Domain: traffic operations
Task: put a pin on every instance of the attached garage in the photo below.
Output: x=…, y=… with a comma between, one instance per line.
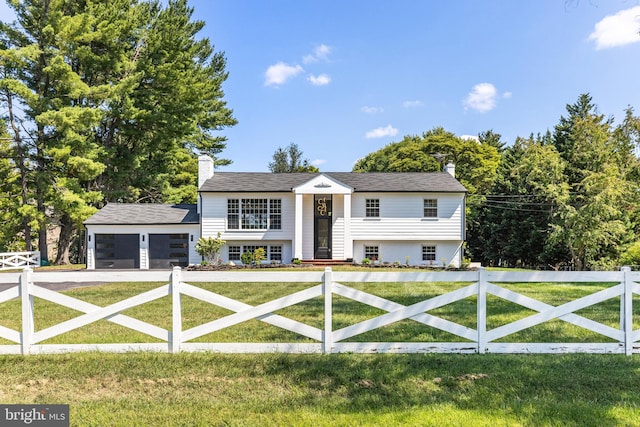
x=142, y=236
x=168, y=250
x=117, y=250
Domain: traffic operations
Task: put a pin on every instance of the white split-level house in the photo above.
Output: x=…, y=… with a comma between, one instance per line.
x=415, y=218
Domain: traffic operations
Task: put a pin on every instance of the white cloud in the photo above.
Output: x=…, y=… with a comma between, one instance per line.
x=318, y=162
x=320, y=80
x=381, y=132
x=617, y=30
x=279, y=73
x=482, y=98
x=412, y=104
x=320, y=53
x=507, y=95
x=371, y=110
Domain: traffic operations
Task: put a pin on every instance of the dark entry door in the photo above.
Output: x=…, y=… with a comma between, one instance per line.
x=322, y=227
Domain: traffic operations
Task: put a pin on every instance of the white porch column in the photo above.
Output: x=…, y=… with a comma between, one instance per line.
x=348, y=241
x=297, y=229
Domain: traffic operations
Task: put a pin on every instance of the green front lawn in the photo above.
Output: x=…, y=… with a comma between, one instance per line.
x=204, y=389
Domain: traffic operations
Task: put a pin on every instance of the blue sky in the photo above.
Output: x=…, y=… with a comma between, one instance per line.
x=344, y=78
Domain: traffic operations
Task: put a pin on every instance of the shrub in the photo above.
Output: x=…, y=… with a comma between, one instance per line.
x=247, y=258
x=632, y=255
x=259, y=254
x=209, y=248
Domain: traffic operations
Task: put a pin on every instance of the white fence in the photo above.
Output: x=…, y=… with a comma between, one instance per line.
x=13, y=260
x=481, y=283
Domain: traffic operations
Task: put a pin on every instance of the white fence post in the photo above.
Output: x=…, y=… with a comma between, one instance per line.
x=327, y=291
x=26, y=337
x=627, y=311
x=482, y=311
x=176, y=329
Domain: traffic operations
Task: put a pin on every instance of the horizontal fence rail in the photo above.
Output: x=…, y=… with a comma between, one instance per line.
x=325, y=285
x=13, y=260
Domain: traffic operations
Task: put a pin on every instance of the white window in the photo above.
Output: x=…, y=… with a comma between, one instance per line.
x=271, y=252
x=430, y=208
x=372, y=208
x=371, y=252
x=252, y=248
x=234, y=253
x=428, y=253
x=275, y=214
x=275, y=253
x=254, y=214
x=233, y=214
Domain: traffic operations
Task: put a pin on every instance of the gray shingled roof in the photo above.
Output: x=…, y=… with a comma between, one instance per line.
x=144, y=213
x=260, y=182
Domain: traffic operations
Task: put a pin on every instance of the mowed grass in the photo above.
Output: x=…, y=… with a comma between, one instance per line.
x=207, y=389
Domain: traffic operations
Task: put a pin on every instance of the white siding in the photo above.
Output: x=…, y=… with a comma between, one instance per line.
x=401, y=227
x=214, y=217
x=447, y=252
x=337, y=231
x=307, y=227
x=401, y=217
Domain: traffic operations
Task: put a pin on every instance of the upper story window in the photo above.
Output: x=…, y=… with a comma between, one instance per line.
x=275, y=214
x=254, y=214
x=233, y=214
x=430, y=208
x=372, y=208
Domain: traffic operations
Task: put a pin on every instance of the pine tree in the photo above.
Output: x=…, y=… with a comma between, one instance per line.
x=120, y=97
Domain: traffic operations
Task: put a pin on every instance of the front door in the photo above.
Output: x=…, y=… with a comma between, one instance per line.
x=322, y=227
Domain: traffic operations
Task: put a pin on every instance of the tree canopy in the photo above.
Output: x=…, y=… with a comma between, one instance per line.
x=476, y=162
x=290, y=159
x=564, y=199
x=116, y=100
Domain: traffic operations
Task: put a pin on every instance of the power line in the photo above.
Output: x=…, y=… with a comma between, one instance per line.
x=510, y=202
x=509, y=208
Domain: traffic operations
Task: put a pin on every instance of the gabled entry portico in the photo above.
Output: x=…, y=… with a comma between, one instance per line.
x=322, y=210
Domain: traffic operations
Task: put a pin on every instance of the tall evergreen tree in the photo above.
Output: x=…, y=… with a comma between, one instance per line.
x=119, y=97
x=593, y=222
x=12, y=237
x=290, y=159
x=514, y=221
